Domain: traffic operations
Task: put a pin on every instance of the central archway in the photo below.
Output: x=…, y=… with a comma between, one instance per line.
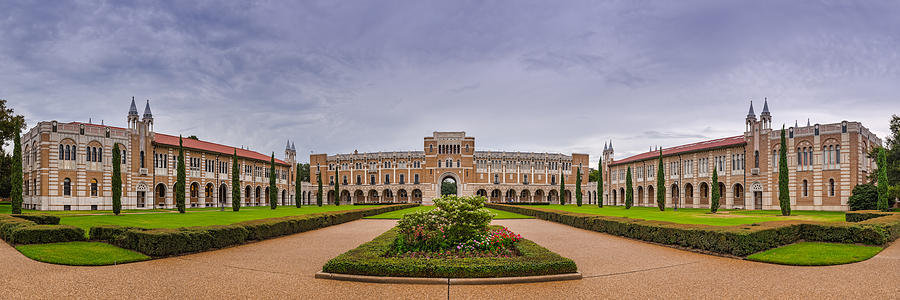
x=449, y=184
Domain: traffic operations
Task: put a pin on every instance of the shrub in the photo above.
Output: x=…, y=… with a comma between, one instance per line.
x=41, y=219
x=169, y=241
x=733, y=240
x=454, y=221
x=864, y=197
x=370, y=259
x=23, y=231
x=860, y=216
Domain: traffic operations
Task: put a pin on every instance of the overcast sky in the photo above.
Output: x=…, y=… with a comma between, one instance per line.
x=544, y=76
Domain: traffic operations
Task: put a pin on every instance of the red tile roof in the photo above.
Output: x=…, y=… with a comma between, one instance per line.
x=694, y=147
x=172, y=140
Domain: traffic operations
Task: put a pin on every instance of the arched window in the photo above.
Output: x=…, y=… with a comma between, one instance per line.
x=805, y=190
x=67, y=187
x=87, y=154
x=837, y=153
x=402, y=179
x=100, y=154
x=93, y=187
x=62, y=152
x=457, y=163
x=756, y=159
x=799, y=157
x=831, y=187
x=68, y=154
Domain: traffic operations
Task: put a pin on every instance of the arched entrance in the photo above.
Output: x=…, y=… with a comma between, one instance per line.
x=449, y=184
x=160, y=195
x=359, y=196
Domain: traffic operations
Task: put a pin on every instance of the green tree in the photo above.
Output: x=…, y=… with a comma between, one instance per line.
x=193, y=137
x=180, y=181
x=600, y=183
x=594, y=175
x=562, y=188
x=11, y=126
x=319, y=195
x=714, y=198
x=298, y=192
x=629, y=190
x=304, y=171
x=448, y=187
x=273, y=190
x=784, y=197
x=16, y=175
x=883, y=191
x=578, y=186
x=660, y=184
x=864, y=197
x=235, y=183
x=337, y=188
x=117, y=179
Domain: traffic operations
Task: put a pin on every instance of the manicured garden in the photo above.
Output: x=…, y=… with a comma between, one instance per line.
x=80, y=253
x=453, y=241
x=816, y=254
x=698, y=215
x=196, y=218
x=397, y=214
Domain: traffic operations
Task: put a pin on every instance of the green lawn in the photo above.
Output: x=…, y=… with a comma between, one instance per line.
x=399, y=213
x=816, y=254
x=700, y=216
x=197, y=217
x=80, y=254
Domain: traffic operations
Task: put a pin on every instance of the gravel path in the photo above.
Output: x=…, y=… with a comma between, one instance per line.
x=613, y=268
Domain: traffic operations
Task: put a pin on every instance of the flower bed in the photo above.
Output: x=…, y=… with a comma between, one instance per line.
x=453, y=240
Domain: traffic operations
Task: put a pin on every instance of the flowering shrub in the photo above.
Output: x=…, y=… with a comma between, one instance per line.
x=458, y=227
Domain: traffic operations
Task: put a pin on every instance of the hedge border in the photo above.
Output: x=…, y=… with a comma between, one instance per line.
x=162, y=242
x=741, y=240
x=862, y=215
x=368, y=260
x=37, y=229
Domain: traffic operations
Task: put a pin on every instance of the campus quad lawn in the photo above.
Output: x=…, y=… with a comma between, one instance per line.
x=399, y=213
x=197, y=217
x=816, y=254
x=698, y=215
x=80, y=253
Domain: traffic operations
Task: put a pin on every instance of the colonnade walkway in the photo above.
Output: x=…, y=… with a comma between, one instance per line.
x=613, y=267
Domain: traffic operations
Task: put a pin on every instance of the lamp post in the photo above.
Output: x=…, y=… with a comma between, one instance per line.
x=677, y=193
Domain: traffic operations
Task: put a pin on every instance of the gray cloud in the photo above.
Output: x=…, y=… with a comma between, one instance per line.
x=518, y=75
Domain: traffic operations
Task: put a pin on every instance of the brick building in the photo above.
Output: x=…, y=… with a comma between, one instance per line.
x=416, y=176
x=68, y=166
x=825, y=162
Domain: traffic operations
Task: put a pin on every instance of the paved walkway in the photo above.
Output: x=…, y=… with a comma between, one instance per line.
x=614, y=268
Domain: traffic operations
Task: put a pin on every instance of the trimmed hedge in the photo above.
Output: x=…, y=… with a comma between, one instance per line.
x=862, y=215
x=524, y=203
x=369, y=259
x=739, y=240
x=25, y=229
x=382, y=203
x=174, y=241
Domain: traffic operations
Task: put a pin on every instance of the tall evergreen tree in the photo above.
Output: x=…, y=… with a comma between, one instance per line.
x=784, y=197
x=298, y=192
x=235, y=183
x=562, y=188
x=319, y=195
x=116, y=179
x=273, y=190
x=337, y=188
x=714, y=197
x=578, y=186
x=16, y=175
x=629, y=190
x=660, y=184
x=180, y=181
x=600, y=183
x=883, y=191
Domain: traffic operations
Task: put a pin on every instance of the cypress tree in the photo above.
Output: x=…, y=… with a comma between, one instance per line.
x=180, y=181
x=298, y=193
x=578, y=186
x=273, y=190
x=784, y=197
x=16, y=174
x=883, y=192
x=600, y=183
x=116, y=179
x=319, y=195
x=629, y=190
x=337, y=189
x=562, y=188
x=660, y=184
x=235, y=183
x=714, y=198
